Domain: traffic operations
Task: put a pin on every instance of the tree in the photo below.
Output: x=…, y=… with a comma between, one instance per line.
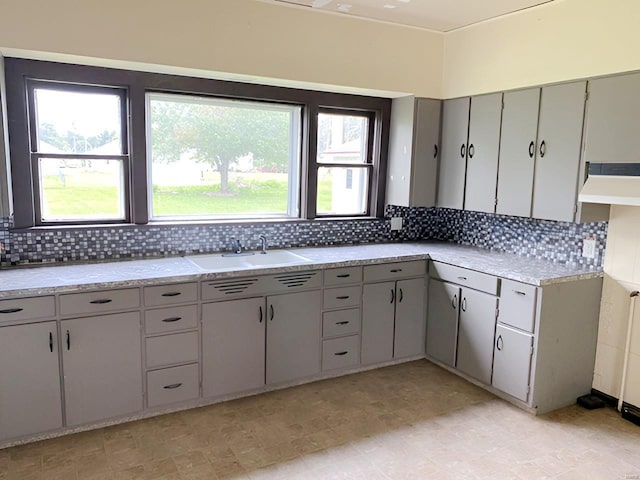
x=220, y=134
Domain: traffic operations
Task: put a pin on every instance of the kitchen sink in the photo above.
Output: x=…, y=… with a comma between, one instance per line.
x=274, y=258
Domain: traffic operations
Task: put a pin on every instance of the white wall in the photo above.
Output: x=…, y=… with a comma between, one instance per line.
x=234, y=37
x=622, y=276
x=559, y=41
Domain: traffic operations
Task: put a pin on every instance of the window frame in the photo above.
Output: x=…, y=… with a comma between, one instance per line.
x=137, y=84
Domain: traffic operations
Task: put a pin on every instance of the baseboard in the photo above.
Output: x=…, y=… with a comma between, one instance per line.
x=607, y=399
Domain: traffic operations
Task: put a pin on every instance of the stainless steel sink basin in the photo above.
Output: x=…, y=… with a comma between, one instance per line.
x=274, y=258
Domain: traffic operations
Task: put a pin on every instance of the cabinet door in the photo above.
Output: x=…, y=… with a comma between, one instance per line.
x=613, y=120
x=453, y=160
x=517, y=152
x=30, y=397
x=442, y=321
x=293, y=336
x=233, y=346
x=512, y=362
x=411, y=318
x=476, y=330
x=483, y=150
x=378, y=310
x=558, y=154
x=426, y=138
x=102, y=365
x=400, y=151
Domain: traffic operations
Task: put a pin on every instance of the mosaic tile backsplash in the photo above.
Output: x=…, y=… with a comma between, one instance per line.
x=556, y=241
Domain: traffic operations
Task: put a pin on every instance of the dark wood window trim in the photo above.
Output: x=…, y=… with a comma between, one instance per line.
x=137, y=84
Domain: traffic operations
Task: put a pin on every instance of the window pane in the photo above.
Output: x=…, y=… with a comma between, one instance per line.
x=342, y=191
x=78, y=122
x=221, y=158
x=342, y=138
x=78, y=190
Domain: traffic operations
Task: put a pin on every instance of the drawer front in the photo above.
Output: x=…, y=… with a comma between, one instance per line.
x=342, y=276
x=171, y=319
x=172, y=385
x=341, y=322
x=342, y=297
x=518, y=305
x=391, y=271
x=170, y=294
x=98, y=302
x=340, y=353
x=463, y=276
x=27, y=308
x=172, y=349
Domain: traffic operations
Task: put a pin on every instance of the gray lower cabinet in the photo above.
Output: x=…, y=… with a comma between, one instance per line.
x=476, y=329
x=233, y=346
x=410, y=324
x=30, y=397
x=453, y=158
x=294, y=332
x=442, y=321
x=102, y=365
x=512, y=362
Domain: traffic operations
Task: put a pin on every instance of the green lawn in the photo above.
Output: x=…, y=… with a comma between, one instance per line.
x=84, y=195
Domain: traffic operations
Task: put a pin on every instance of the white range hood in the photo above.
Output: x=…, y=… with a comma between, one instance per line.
x=613, y=184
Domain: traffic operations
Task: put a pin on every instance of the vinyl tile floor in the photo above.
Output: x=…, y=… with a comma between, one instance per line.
x=409, y=421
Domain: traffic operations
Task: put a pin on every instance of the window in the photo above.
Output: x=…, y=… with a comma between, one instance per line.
x=93, y=145
x=211, y=157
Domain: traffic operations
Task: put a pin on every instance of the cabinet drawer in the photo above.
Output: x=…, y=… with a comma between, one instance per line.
x=341, y=322
x=342, y=276
x=170, y=294
x=27, y=308
x=172, y=385
x=97, y=302
x=518, y=305
x=463, y=276
x=171, y=319
x=172, y=349
x=390, y=271
x=340, y=352
x=342, y=297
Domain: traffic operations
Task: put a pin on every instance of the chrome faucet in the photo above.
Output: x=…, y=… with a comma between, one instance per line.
x=263, y=244
x=238, y=247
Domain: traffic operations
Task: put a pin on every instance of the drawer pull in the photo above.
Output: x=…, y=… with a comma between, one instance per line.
x=342, y=297
x=339, y=354
x=171, y=294
x=343, y=275
x=11, y=310
x=101, y=301
x=518, y=292
x=172, y=386
x=396, y=270
x=454, y=301
x=51, y=342
x=464, y=279
x=346, y=322
x=172, y=319
x=68, y=341
x=401, y=296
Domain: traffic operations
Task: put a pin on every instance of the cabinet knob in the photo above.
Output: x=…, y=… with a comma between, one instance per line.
x=472, y=150
x=543, y=149
x=532, y=149
x=499, y=343
x=462, y=150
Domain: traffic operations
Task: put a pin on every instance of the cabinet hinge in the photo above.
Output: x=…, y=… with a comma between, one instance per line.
x=575, y=208
x=495, y=202
x=586, y=95
x=497, y=312
x=528, y=389
x=531, y=351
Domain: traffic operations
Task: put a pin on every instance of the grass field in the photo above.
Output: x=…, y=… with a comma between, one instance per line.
x=84, y=195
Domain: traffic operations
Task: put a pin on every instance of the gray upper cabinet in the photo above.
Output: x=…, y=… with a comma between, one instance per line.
x=482, y=153
x=411, y=320
x=442, y=324
x=233, y=346
x=558, y=151
x=453, y=157
x=102, y=364
x=294, y=333
x=30, y=397
x=613, y=120
x=413, y=152
x=378, y=309
x=517, y=152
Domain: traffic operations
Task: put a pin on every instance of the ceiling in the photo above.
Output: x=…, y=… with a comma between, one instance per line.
x=438, y=15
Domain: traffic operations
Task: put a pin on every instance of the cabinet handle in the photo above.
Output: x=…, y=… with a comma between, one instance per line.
x=68, y=341
x=464, y=279
x=343, y=275
x=462, y=150
x=260, y=309
x=464, y=304
x=543, y=149
x=172, y=319
x=435, y=151
x=342, y=297
x=472, y=150
x=51, y=342
x=499, y=343
x=396, y=270
x=339, y=354
x=11, y=310
x=518, y=292
x=532, y=149
x=342, y=323
x=271, y=312
x=401, y=296
x=454, y=301
x=172, y=386
x=393, y=295
x=171, y=294
x=101, y=301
